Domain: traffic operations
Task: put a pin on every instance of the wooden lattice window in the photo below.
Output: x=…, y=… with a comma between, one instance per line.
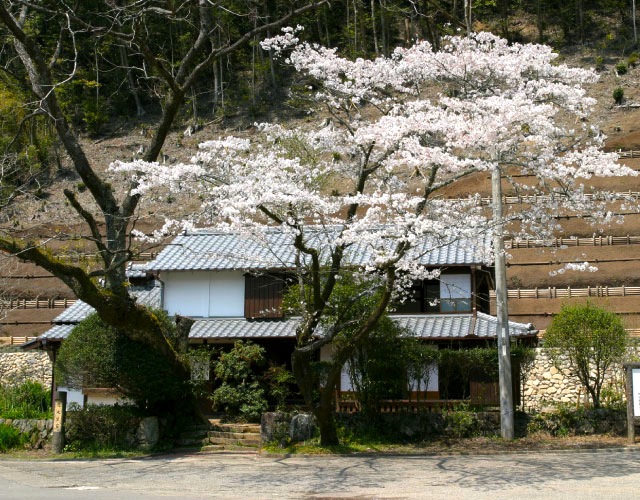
x=263, y=296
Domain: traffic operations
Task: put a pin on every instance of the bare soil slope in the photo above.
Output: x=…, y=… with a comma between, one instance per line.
x=529, y=268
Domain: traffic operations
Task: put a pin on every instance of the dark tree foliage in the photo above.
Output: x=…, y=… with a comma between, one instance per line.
x=97, y=355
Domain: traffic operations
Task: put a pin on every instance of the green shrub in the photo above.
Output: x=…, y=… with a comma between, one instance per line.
x=97, y=355
x=460, y=422
x=618, y=95
x=583, y=341
x=632, y=60
x=279, y=381
x=621, y=68
x=97, y=427
x=240, y=394
x=10, y=438
x=27, y=400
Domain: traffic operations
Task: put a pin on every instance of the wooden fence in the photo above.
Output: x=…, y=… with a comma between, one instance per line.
x=629, y=154
x=596, y=241
x=553, y=292
x=10, y=304
x=78, y=256
x=15, y=340
x=401, y=405
x=543, y=198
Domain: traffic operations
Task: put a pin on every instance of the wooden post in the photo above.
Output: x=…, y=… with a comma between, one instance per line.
x=59, y=417
x=631, y=393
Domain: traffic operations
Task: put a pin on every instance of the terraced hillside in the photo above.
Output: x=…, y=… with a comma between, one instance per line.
x=537, y=289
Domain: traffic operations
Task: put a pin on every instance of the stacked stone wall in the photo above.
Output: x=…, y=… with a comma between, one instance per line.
x=546, y=385
x=18, y=367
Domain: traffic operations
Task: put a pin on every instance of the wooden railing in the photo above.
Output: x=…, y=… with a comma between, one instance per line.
x=629, y=154
x=402, y=405
x=553, y=292
x=544, y=198
x=15, y=340
x=36, y=303
x=597, y=241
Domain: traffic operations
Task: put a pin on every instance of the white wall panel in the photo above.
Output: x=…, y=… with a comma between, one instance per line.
x=186, y=293
x=226, y=294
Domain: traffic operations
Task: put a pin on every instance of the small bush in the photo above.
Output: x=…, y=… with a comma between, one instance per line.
x=632, y=60
x=621, y=68
x=599, y=63
x=240, y=394
x=27, y=400
x=461, y=422
x=98, y=427
x=10, y=438
x=279, y=381
x=618, y=95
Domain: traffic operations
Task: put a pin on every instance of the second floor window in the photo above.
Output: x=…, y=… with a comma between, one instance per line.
x=450, y=294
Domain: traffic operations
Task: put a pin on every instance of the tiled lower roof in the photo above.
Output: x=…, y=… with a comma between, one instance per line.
x=434, y=327
x=240, y=328
x=57, y=332
x=150, y=297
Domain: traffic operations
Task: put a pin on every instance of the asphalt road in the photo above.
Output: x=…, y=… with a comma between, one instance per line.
x=608, y=474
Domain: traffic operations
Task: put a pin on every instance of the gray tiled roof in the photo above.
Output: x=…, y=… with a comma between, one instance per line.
x=235, y=328
x=57, y=332
x=204, y=250
x=80, y=310
x=137, y=270
x=435, y=327
x=486, y=327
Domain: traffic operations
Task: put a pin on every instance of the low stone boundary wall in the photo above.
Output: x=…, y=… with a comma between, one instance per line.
x=18, y=367
x=39, y=431
x=546, y=385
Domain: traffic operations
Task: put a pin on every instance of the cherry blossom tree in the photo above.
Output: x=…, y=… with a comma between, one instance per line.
x=357, y=188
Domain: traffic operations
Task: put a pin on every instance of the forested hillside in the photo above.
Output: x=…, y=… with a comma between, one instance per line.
x=85, y=84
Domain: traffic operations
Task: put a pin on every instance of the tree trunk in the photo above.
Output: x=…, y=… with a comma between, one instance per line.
x=326, y=421
x=374, y=27
x=467, y=16
x=130, y=82
x=633, y=21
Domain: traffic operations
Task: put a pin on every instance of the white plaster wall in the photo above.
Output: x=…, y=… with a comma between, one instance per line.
x=226, y=294
x=345, y=380
x=186, y=293
x=204, y=293
x=74, y=396
x=432, y=380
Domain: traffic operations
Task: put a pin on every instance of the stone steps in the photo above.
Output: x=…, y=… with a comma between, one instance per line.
x=220, y=436
x=234, y=434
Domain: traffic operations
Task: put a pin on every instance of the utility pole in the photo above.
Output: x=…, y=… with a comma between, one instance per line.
x=502, y=311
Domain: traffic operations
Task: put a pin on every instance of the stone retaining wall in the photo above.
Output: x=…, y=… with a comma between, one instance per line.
x=17, y=367
x=547, y=386
x=38, y=431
